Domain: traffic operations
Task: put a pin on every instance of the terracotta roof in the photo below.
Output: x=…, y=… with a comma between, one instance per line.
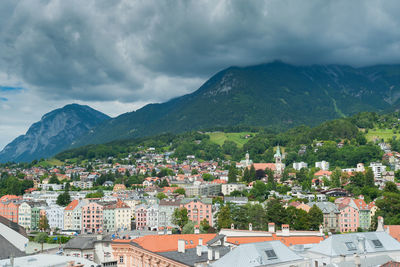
x=163, y=243
x=72, y=205
x=394, y=231
x=263, y=166
x=322, y=173
x=287, y=240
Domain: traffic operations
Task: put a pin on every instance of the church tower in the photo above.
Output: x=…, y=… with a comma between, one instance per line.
x=278, y=161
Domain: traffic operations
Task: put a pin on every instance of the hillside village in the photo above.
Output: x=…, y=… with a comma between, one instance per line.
x=150, y=196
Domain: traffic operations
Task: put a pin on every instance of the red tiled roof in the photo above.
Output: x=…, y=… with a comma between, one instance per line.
x=394, y=231
x=163, y=243
x=263, y=166
x=287, y=240
x=72, y=205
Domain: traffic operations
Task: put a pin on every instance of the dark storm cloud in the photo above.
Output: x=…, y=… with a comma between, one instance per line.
x=153, y=50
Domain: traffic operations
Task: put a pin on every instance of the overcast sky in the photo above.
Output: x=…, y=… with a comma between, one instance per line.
x=116, y=56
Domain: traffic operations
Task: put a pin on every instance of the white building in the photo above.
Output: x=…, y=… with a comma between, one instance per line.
x=24, y=215
x=323, y=165
x=55, y=216
x=377, y=169
x=227, y=189
x=299, y=165
x=152, y=217
x=166, y=209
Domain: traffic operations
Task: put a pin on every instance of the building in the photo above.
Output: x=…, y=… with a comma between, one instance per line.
x=25, y=215
x=69, y=215
x=117, y=217
x=95, y=248
x=331, y=216
x=165, y=210
x=152, y=217
x=198, y=209
x=199, y=190
x=227, y=189
x=364, y=213
x=9, y=207
x=167, y=250
x=13, y=239
x=92, y=218
x=323, y=165
x=299, y=165
x=141, y=217
x=261, y=254
x=377, y=169
x=55, y=216
x=45, y=260
x=348, y=218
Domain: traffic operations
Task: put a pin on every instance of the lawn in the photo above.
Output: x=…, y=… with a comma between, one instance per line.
x=50, y=163
x=386, y=134
x=239, y=138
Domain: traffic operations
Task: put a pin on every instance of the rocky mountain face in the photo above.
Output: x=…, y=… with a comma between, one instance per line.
x=275, y=94
x=53, y=133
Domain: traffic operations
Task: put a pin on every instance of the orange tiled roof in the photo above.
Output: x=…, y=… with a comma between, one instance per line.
x=394, y=231
x=163, y=243
x=287, y=240
x=72, y=205
x=263, y=166
x=322, y=173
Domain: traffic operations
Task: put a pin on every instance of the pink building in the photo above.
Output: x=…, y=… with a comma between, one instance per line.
x=198, y=209
x=349, y=219
x=141, y=217
x=92, y=218
x=9, y=207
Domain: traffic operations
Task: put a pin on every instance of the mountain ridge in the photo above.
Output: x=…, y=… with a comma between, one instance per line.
x=273, y=94
x=54, y=132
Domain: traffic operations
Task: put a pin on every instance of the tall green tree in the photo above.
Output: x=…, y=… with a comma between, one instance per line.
x=224, y=219
x=316, y=217
x=180, y=217
x=232, y=174
x=41, y=238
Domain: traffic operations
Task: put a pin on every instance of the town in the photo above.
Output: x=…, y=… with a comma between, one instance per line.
x=151, y=209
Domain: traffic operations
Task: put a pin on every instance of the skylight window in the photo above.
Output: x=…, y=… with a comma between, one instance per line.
x=271, y=254
x=377, y=243
x=350, y=246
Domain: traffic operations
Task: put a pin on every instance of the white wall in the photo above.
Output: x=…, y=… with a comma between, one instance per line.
x=13, y=237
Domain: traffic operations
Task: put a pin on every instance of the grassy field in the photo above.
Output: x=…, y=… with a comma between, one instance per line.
x=239, y=138
x=386, y=134
x=50, y=162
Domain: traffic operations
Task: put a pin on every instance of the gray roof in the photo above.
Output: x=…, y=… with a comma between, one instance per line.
x=370, y=261
x=14, y=226
x=255, y=254
x=8, y=249
x=325, y=207
x=348, y=244
x=215, y=239
x=230, y=199
x=84, y=242
x=203, y=200
x=190, y=256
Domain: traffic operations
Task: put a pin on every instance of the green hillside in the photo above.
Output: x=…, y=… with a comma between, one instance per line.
x=239, y=138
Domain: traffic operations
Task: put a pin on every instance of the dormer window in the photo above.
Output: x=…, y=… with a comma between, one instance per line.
x=377, y=243
x=271, y=254
x=351, y=246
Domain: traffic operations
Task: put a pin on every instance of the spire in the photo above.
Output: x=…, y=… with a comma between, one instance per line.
x=278, y=153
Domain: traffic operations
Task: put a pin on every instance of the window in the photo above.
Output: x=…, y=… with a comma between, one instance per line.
x=271, y=254
x=350, y=246
x=377, y=243
x=121, y=259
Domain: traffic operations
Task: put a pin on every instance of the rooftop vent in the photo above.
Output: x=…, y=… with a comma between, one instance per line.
x=377, y=243
x=350, y=246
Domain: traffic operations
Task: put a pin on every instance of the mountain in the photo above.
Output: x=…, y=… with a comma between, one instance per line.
x=53, y=133
x=275, y=94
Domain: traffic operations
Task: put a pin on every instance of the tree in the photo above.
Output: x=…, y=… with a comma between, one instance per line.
x=98, y=194
x=194, y=172
x=316, y=217
x=224, y=219
x=53, y=179
x=259, y=191
x=180, y=217
x=63, y=199
x=335, y=178
x=164, y=183
x=188, y=228
x=180, y=191
x=41, y=238
x=232, y=174
x=369, y=178
x=161, y=195
x=246, y=175
x=205, y=227
x=44, y=223
x=252, y=173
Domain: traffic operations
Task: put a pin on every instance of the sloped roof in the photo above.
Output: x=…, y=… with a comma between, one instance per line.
x=72, y=205
x=287, y=240
x=163, y=243
x=8, y=249
x=336, y=245
x=190, y=257
x=15, y=226
x=255, y=254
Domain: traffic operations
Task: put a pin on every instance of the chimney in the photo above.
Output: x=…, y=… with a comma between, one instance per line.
x=200, y=241
x=271, y=227
x=321, y=230
x=285, y=230
x=210, y=254
x=169, y=231
x=196, y=229
x=199, y=250
x=217, y=255
x=181, y=246
x=361, y=243
x=99, y=237
x=342, y=258
x=357, y=260
x=232, y=226
x=380, y=227
x=250, y=227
